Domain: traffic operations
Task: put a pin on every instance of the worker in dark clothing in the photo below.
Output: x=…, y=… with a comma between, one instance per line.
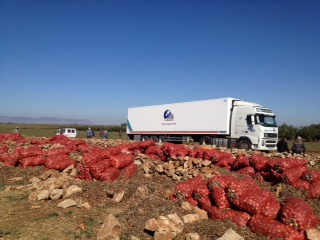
x=282, y=146
x=298, y=146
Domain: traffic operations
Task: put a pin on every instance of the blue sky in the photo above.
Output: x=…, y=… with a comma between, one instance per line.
x=95, y=59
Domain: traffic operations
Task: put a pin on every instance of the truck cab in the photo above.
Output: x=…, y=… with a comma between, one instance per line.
x=254, y=126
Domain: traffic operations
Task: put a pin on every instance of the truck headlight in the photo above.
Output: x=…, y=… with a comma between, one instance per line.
x=262, y=142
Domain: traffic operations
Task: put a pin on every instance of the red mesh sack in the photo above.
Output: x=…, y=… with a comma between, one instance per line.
x=32, y=161
x=98, y=168
x=312, y=176
x=226, y=163
x=208, y=154
x=9, y=159
x=110, y=174
x=129, y=171
x=3, y=149
x=185, y=189
x=258, y=162
x=314, y=190
x=237, y=189
x=84, y=148
x=144, y=145
x=15, y=137
x=199, y=153
x=218, y=156
x=91, y=158
x=28, y=152
x=298, y=214
x=219, y=197
x=221, y=181
x=192, y=201
x=61, y=150
x=192, y=153
x=83, y=173
x=292, y=175
x=58, y=162
x=240, y=162
x=181, y=152
x=285, y=163
x=252, y=202
x=154, y=150
x=271, y=208
x=154, y=157
x=247, y=171
x=201, y=191
x=300, y=183
x=239, y=218
x=121, y=160
x=273, y=229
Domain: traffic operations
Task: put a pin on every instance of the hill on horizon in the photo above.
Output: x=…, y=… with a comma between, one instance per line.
x=44, y=120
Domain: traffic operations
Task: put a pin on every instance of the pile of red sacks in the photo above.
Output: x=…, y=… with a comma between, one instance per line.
x=106, y=164
x=241, y=201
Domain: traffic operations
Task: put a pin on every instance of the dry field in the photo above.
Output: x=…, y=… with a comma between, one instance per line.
x=24, y=218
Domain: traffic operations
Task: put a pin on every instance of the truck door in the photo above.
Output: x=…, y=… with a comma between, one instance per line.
x=243, y=124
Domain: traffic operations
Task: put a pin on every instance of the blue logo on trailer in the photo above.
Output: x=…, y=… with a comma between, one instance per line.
x=168, y=116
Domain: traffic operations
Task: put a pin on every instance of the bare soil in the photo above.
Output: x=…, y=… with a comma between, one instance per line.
x=23, y=219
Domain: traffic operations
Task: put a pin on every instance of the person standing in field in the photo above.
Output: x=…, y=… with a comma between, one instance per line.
x=104, y=134
x=282, y=146
x=298, y=146
x=89, y=133
x=16, y=130
x=120, y=133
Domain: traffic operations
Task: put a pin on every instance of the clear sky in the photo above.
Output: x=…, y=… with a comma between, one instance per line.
x=94, y=59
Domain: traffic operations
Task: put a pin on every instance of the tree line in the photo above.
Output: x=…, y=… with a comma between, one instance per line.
x=309, y=133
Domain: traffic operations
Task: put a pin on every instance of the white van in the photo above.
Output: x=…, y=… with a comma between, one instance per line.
x=68, y=132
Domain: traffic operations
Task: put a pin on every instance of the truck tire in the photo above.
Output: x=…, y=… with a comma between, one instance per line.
x=162, y=139
x=244, y=144
x=205, y=141
x=154, y=138
x=144, y=138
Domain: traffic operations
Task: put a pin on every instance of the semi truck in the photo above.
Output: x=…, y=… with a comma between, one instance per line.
x=227, y=122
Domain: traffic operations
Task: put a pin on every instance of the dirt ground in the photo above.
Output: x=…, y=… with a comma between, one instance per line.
x=23, y=219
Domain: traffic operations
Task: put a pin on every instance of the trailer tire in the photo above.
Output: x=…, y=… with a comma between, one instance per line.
x=154, y=138
x=205, y=141
x=162, y=139
x=144, y=138
x=244, y=144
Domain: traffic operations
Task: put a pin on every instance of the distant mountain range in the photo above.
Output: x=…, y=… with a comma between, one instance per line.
x=44, y=120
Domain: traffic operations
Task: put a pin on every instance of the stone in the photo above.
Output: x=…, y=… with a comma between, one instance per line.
x=67, y=203
x=72, y=190
x=15, y=179
x=43, y=195
x=85, y=206
x=190, y=218
x=164, y=235
x=56, y=194
x=118, y=196
x=230, y=234
x=143, y=191
x=313, y=234
x=68, y=169
x=110, y=229
x=192, y=236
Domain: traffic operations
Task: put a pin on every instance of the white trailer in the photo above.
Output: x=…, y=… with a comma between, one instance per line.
x=225, y=122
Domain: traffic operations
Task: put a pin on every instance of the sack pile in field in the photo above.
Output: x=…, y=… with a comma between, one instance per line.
x=241, y=201
x=107, y=164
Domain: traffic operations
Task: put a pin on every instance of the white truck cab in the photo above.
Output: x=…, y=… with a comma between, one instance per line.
x=68, y=132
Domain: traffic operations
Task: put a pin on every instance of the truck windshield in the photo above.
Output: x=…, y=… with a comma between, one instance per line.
x=267, y=121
